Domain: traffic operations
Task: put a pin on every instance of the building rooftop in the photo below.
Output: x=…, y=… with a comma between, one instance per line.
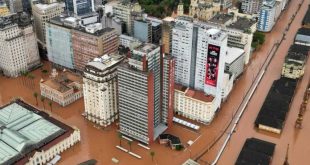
x=256, y=151
x=73, y=23
x=221, y=18
x=42, y=6
x=233, y=54
x=20, y=19
x=146, y=47
x=26, y=130
x=299, y=49
x=304, y=31
x=63, y=82
x=242, y=24
x=104, y=62
x=276, y=104
x=194, y=94
x=168, y=19
x=306, y=19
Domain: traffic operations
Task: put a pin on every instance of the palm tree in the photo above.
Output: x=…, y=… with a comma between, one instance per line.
x=42, y=100
x=119, y=135
x=31, y=77
x=35, y=94
x=129, y=143
x=51, y=105
x=152, y=153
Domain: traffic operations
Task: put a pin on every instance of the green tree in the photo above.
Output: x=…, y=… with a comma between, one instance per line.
x=35, y=95
x=129, y=143
x=152, y=153
x=51, y=105
x=119, y=135
x=42, y=100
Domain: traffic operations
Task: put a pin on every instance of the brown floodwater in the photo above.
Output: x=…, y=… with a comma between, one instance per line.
x=100, y=144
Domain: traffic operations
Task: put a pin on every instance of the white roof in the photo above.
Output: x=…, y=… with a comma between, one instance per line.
x=233, y=54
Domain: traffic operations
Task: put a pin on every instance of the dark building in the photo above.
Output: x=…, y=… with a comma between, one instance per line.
x=256, y=152
x=272, y=114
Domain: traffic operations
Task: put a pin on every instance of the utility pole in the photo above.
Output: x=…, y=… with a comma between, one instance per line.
x=286, y=156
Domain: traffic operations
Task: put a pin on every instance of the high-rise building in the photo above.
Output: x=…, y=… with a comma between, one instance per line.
x=251, y=6
x=100, y=89
x=143, y=30
x=127, y=11
x=79, y=7
x=156, y=29
x=59, y=42
x=168, y=89
x=166, y=37
x=92, y=42
x=184, y=38
x=42, y=13
x=267, y=14
x=18, y=46
x=140, y=94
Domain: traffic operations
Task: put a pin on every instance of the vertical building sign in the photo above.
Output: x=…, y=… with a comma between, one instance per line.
x=212, y=65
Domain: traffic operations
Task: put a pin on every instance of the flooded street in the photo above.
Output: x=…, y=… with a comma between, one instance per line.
x=100, y=144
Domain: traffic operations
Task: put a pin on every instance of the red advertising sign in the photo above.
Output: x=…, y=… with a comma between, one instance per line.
x=212, y=65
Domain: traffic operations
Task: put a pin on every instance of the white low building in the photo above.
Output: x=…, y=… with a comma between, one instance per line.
x=193, y=104
x=23, y=140
x=64, y=88
x=100, y=89
x=234, y=61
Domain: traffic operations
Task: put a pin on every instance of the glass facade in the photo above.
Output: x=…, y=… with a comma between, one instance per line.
x=83, y=7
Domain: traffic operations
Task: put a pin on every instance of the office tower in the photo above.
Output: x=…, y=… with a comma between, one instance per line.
x=267, y=14
x=184, y=38
x=166, y=37
x=100, y=89
x=19, y=50
x=92, y=42
x=143, y=30
x=42, y=13
x=127, y=11
x=140, y=95
x=251, y=6
x=59, y=42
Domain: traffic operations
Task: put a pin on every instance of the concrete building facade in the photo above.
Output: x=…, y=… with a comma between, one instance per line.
x=251, y=6
x=92, y=43
x=59, y=44
x=42, y=13
x=140, y=95
x=63, y=88
x=100, y=89
x=166, y=38
x=18, y=46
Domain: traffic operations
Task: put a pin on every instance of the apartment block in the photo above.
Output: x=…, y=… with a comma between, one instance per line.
x=42, y=13
x=18, y=46
x=166, y=33
x=91, y=42
x=140, y=94
x=100, y=89
x=251, y=6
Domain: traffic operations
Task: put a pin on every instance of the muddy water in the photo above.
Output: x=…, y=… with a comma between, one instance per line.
x=100, y=144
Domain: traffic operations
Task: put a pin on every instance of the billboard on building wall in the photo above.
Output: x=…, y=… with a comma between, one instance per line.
x=212, y=65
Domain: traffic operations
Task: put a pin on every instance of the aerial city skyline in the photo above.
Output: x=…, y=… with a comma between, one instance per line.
x=154, y=82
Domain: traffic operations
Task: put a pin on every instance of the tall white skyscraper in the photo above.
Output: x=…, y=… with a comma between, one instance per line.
x=184, y=51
